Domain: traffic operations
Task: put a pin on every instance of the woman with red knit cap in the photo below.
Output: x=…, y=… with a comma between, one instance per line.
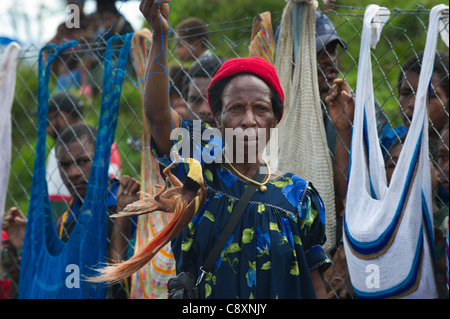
x=275, y=249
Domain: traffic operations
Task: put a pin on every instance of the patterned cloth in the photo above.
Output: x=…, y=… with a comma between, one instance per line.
x=263, y=41
x=150, y=282
x=273, y=248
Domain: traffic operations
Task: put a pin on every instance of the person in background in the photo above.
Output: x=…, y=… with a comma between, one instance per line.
x=443, y=166
x=74, y=152
x=338, y=108
x=9, y=268
x=336, y=99
x=113, y=22
x=438, y=104
x=64, y=110
x=73, y=64
x=441, y=215
x=177, y=81
x=408, y=80
x=196, y=88
x=192, y=37
x=439, y=150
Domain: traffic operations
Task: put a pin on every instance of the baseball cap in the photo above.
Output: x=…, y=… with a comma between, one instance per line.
x=325, y=32
x=66, y=102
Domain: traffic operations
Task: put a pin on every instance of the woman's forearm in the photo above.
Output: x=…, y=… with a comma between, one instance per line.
x=156, y=89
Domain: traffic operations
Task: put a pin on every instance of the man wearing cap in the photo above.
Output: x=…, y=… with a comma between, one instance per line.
x=327, y=54
x=338, y=107
x=336, y=99
x=337, y=117
x=196, y=86
x=65, y=110
x=337, y=102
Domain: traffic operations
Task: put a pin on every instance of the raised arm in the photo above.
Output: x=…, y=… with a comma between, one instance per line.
x=161, y=117
x=341, y=106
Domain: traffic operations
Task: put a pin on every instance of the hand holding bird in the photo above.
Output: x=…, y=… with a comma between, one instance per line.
x=182, y=199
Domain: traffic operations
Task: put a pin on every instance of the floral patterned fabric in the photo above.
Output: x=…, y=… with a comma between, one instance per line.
x=273, y=248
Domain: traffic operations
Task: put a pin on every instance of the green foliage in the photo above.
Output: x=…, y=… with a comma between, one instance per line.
x=24, y=132
x=23, y=138
x=403, y=35
x=230, y=19
x=217, y=11
x=230, y=24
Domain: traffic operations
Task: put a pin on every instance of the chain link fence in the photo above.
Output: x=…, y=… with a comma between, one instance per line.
x=403, y=36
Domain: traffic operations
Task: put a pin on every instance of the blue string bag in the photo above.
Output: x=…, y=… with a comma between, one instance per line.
x=51, y=268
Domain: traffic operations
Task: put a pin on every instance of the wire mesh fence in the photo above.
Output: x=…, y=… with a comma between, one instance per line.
x=80, y=72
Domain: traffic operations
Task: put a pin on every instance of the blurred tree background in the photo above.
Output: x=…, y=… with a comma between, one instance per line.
x=230, y=25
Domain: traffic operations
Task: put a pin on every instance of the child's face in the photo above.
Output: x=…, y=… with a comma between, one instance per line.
x=392, y=162
x=437, y=102
x=75, y=165
x=184, y=50
x=178, y=104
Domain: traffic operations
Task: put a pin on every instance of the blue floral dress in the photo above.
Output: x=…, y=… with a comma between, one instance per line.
x=275, y=245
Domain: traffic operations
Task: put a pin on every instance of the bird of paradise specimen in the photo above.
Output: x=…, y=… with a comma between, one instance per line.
x=183, y=199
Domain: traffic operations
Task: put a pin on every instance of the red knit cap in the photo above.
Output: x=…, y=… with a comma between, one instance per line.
x=253, y=65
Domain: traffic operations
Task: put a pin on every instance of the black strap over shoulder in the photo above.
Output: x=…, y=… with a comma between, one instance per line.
x=236, y=214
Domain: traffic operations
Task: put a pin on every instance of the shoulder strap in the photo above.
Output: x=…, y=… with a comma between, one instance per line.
x=229, y=227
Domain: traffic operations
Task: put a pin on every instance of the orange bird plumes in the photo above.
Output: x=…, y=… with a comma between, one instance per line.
x=184, y=200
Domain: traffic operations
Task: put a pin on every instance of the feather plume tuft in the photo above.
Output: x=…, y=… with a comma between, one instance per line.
x=184, y=200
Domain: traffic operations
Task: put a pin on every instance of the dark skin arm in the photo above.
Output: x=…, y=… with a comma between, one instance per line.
x=14, y=225
x=341, y=107
x=319, y=287
x=161, y=117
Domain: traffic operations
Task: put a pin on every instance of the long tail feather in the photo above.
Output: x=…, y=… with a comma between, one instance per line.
x=185, y=208
x=116, y=272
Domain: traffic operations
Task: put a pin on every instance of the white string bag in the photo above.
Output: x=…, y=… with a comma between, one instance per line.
x=303, y=144
x=7, y=87
x=388, y=231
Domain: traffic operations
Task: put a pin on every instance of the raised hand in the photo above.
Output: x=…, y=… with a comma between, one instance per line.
x=341, y=105
x=14, y=226
x=128, y=191
x=156, y=12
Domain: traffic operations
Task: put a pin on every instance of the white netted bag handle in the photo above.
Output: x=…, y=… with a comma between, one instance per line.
x=374, y=20
x=303, y=146
x=443, y=26
x=388, y=230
